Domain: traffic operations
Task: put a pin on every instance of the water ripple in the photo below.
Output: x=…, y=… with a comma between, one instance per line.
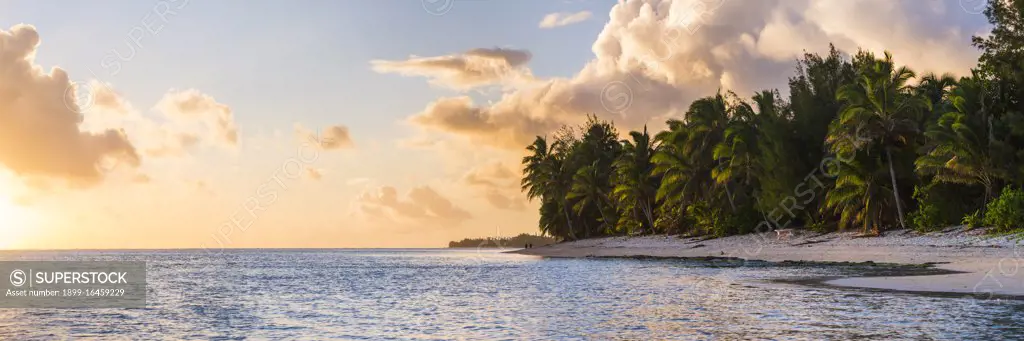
x=471, y=295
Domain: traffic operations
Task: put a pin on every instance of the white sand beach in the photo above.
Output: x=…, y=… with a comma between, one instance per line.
x=988, y=265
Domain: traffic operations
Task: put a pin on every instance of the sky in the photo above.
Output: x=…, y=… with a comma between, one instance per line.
x=242, y=124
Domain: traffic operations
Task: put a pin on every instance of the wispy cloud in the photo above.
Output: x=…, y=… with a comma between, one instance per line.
x=564, y=19
x=465, y=71
x=191, y=104
x=332, y=138
x=421, y=205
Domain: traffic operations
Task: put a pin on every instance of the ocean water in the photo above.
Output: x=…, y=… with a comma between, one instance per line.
x=488, y=295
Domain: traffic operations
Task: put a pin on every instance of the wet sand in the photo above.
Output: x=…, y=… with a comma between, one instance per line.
x=984, y=265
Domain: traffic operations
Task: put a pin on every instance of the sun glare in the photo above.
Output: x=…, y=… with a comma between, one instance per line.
x=14, y=220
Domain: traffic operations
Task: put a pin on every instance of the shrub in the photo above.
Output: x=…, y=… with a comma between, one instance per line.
x=703, y=217
x=628, y=226
x=672, y=219
x=973, y=220
x=720, y=222
x=928, y=216
x=820, y=226
x=1006, y=213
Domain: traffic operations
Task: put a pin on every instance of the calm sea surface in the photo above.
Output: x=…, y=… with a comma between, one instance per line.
x=487, y=295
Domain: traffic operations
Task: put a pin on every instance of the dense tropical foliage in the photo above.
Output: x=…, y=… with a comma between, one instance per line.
x=859, y=143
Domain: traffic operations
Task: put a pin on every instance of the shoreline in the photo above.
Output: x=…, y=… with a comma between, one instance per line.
x=974, y=263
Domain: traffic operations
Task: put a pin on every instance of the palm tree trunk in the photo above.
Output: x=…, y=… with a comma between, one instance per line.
x=682, y=210
x=649, y=213
x=728, y=193
x=988, y=193
x=568, y=220
x=609, y=229
x=895, y=187
x=604, y=216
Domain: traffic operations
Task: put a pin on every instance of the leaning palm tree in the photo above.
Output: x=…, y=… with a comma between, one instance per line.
x=537, y=170
x=635, y=183
x=881, y=110
x=964, y=147
x=541, y=170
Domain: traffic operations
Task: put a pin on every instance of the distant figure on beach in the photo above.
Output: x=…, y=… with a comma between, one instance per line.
x=784, y=233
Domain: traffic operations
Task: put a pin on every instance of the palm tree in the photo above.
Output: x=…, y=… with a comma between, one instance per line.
x=635, y=184
x=674, y=164
x=537, y=170
x=881, y=109
x=747, y=143
x=706, y=122
x=588, y=190
x=541, y=170
x=965, y=149
x=859, y=194
x=937, y=88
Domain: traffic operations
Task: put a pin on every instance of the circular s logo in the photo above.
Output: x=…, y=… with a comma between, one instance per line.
x=18, y=277
x=973, y=6
x=78, y=97
x=616, y=97
x=438, y=7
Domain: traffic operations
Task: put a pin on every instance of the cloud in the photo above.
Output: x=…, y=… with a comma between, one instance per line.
x=926, y=36
x=104, y=98
x=498, y=184
x=194, y=105
x=471, y=69
x=495, y=174
x=502, y=201
x=332, y=138
x=497, y=125
x=188, y=119
x=172, y=144
x=564, y=19
x=654, y=57
x=314, y=173
x=422, y=205
x=172, y=135
x=40, y=117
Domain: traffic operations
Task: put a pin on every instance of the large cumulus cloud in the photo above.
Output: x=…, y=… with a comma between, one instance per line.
x=654, y=57
x=40, y=119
